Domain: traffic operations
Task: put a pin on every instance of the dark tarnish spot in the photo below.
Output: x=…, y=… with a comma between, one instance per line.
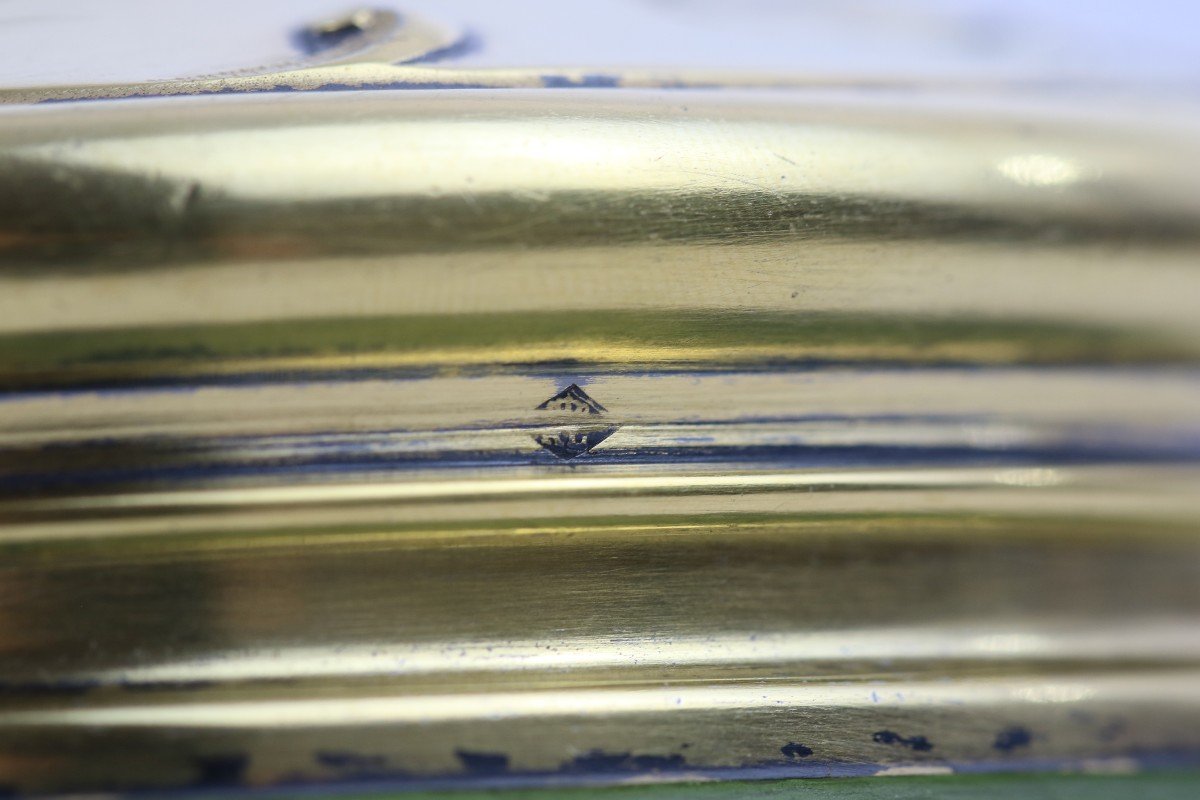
x=1081, y=717
x=221, y=770
x=66, y=687
x=1010, y=738
x=1112, y=730
x=918, y=743
x=597, y=761
x=794, y=750
x=585, y=82
x=600, y=761
x=352, y=762
x=653, y=762
x=483, y=763
x=165, y=686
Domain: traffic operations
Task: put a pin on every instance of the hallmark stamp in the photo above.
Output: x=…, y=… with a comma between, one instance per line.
x=579, y=424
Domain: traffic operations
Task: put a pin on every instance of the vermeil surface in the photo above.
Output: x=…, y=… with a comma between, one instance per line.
x=569, y=435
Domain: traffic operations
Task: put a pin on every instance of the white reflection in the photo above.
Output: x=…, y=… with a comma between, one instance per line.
x=1038, y=476
x=1177, y=640
x=1178, y=689
x=890, y=480
x=914, y=769
x=1011, y=644
x=1056, y=693
x=1039, y=169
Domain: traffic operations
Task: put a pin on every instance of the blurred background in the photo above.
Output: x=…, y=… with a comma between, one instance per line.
x=1151, y=44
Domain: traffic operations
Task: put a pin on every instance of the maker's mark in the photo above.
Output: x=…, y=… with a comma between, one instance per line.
x=576, y=429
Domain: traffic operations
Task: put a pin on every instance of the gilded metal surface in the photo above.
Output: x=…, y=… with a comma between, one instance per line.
x=898, y=470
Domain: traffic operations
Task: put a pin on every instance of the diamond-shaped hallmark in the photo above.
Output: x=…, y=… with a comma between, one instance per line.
x=569, y=439
x=573, y=400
